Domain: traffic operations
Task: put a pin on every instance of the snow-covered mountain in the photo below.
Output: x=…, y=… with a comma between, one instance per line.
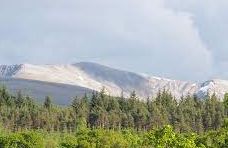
x=90, y=76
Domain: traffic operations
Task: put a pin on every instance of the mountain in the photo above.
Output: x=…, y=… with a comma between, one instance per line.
x=63, y=82
x=61, y=93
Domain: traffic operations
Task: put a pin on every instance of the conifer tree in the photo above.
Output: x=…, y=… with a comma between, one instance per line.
x=225, y=102
x=47, y=102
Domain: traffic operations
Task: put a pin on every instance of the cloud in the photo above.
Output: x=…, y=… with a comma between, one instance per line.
x=210, y=19
x=142, y=36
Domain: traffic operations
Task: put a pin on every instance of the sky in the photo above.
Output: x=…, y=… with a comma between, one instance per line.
x=178, y=39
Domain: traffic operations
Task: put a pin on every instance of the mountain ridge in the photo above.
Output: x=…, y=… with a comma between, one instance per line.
x=93, y=76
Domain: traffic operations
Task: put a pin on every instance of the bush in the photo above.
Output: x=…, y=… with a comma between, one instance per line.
x=22, y=140
x=69, y=141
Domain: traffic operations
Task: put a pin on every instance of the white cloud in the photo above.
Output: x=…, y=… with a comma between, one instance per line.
x=143, y=36
x=210, y=19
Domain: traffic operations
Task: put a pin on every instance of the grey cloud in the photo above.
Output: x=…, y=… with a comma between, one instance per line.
x=210, y=19
x=141, y=36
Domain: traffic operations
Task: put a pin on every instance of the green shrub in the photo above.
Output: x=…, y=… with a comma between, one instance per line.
x=69, y=141
x=22, y=140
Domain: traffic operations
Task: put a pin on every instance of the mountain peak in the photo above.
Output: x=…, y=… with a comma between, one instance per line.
x=93, y=65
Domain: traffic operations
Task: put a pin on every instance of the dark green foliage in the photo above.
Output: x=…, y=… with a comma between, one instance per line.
x=102, y=111
x=225, y=102
x=47, y=102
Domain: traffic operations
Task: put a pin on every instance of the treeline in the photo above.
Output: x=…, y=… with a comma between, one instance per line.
x=189, y=114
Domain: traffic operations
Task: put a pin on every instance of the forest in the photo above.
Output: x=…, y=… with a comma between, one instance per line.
x=100, y=120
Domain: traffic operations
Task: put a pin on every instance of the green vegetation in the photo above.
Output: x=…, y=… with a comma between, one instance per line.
x=113, y=122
